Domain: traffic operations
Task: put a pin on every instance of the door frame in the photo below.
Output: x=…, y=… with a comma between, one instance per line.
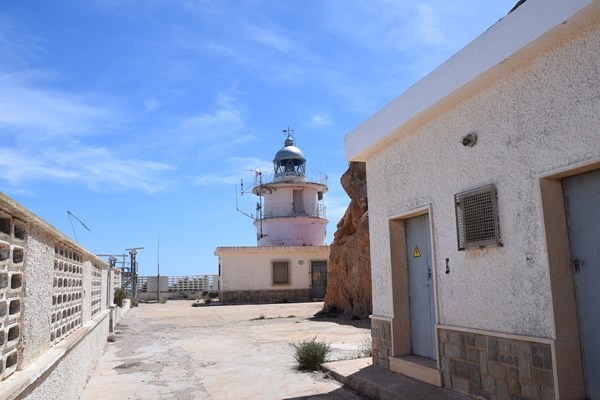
x=312, y=289
x=401, y=333
x=566, y=354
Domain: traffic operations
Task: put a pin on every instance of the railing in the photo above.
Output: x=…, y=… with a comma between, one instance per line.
x=313, y=176
x=286, y=209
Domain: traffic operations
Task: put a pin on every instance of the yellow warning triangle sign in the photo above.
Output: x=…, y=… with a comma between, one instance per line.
x=416, y=253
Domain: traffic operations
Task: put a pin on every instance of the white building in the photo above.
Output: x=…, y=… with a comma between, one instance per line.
x=290, y=260
x=484, y=202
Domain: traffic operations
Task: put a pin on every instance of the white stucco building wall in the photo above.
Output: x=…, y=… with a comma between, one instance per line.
x=536, y=118
x=528, y=88
x=248, y=270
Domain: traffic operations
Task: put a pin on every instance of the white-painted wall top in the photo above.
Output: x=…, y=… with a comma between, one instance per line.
x=533, y=27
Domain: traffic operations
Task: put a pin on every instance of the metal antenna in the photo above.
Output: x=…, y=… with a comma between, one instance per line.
x=289, y=132
x=158, y=269
x=70, y=214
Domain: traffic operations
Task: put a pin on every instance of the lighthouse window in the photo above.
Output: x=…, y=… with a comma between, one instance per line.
x=281, y=273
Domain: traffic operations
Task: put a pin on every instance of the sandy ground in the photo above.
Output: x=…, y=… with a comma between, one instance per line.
x=176, y=351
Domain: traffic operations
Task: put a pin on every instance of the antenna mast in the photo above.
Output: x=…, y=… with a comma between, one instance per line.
x=158, y=269
x=70, y=214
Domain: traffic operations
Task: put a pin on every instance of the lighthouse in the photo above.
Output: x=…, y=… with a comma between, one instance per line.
x=291, y=207
x=289, y=261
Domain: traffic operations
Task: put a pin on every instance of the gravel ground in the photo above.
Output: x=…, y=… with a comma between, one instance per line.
x=176, y=351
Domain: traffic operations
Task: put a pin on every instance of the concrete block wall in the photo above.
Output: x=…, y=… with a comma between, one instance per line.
x=381, y=336
x=491, y=367
x=55, y=297
x=12, y=255
x=265, y=296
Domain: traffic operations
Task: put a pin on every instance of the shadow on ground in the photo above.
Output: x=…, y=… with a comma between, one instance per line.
x=343, y=393
x=341, y=319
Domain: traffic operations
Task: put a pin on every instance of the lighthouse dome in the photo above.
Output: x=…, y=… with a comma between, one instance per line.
x=289, y=152
x=289, y=162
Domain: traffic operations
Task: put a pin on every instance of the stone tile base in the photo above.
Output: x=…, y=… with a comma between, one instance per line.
x=265, y=296
x=381, y=334
x=490, y=367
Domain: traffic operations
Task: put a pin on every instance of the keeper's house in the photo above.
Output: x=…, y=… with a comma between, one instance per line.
x=484, y=202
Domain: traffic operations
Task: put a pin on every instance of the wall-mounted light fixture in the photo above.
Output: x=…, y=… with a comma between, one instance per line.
x=469, y=140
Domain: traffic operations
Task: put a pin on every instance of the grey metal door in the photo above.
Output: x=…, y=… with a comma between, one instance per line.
x=420, y=280
x=319, y=278
x=582, y=201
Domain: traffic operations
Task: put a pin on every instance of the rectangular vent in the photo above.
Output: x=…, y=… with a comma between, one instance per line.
x=477, y=221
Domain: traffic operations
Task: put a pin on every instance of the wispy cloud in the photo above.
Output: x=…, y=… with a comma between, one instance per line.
x=227, y=118
x=429, y=25
x=94, y=167
x=26, y=107
x=320, y=120
x=238, y=168
x=272, y=39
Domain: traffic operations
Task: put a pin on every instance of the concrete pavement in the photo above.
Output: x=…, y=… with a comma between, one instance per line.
x=176, y=351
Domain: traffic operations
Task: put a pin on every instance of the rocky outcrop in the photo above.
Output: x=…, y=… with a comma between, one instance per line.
x=349, y=275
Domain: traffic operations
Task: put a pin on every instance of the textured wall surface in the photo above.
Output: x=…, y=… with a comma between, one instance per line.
x=38, y=275
x=13, y=251
x=540, y=117
x=489, y=366
x=71, y=374
x=381, y=334
x=265, y=296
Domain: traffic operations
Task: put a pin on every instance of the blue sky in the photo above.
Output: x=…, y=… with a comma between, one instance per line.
x=140, y=117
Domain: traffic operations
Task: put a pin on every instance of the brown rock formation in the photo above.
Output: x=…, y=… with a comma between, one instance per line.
x=349, y=275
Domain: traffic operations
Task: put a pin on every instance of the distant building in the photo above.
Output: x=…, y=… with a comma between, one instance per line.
x=484, y=205
x=290, y=260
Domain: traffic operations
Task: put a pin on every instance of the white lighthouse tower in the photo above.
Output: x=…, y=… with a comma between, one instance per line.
x=291, y=210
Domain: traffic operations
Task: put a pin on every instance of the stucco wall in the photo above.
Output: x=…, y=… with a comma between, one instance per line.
x=542, y=116
x=250, y=268
x=38, y=274
x=293, y=231
x=280, y=201
x=71, y=374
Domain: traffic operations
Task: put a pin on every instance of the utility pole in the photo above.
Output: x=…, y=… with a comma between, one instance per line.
x=134, y=276
x=158, y=270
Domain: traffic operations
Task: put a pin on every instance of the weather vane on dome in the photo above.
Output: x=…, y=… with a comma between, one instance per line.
x=290, y=136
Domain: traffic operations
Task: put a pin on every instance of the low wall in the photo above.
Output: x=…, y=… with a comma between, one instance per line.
x=56, y=308
x=265, y=296
x=381, y=337
x=489, y=366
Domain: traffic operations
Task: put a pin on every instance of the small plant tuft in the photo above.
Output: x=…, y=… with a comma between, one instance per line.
x=120, y=295
x=207, y=299
x=310, y=354
x=162, y=300
x=365, y=348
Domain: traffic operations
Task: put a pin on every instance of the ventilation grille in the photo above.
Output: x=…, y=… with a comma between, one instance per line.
x=477, y=218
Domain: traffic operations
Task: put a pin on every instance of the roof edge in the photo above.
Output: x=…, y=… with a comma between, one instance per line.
x=268, y=249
